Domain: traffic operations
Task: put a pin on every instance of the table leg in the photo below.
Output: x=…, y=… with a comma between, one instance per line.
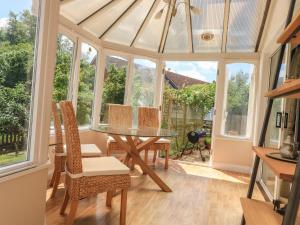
x=138, y=160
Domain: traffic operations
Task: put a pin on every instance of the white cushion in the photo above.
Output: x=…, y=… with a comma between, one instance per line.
x=111, y=139
x=103, y=166
x=160, y=141
x=87, y=150
x=90, y=150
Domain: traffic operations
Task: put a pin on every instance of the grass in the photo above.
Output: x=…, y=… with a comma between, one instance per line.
x=12, y=158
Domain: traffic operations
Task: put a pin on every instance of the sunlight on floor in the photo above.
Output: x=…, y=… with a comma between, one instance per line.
x=208, y=172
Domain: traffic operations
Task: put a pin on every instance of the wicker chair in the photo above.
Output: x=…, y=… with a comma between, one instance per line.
x=89, y=176
x=149, y=117
x=60, y=153
x=118, y=116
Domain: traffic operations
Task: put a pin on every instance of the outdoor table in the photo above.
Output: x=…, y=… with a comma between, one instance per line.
x=134, y=148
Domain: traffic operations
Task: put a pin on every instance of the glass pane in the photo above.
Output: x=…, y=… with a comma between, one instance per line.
x=105, y=18
x=144, y=83
x=114, y=84
x=88, y=63
x=177, y=40
x=210, y=21
x=268, y=178
x=238, y=84
x=244, y=23
x=69, y=9
x=18, y=37
x=151, y=36
x=130, y=24
x=63, y=70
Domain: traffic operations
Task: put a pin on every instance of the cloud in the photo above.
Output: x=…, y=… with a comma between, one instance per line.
x=203, y=70
x=3, y=22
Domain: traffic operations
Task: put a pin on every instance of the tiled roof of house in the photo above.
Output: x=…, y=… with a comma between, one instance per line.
x=179, y=81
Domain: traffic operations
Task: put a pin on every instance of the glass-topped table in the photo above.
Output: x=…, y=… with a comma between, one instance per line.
x=134, y=148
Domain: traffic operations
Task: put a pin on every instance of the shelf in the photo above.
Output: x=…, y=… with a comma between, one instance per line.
x=291, y=32
x=289, y=89
x=259, y=213
x=284, y=170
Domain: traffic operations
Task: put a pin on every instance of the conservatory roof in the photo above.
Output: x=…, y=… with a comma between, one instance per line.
x=172, y=26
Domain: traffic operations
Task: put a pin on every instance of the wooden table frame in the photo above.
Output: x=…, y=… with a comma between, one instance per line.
x=133, y=150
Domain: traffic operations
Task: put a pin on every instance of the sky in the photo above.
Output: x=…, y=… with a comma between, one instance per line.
x=200, y=70
x=12, y=5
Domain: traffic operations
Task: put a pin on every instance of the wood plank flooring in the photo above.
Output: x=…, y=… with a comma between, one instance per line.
x=201, y=196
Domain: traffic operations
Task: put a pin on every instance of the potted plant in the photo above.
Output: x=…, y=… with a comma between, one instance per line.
x=208, y=142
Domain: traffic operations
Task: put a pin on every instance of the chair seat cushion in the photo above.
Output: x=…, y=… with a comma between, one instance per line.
x=160, y=141
x=103, y=166
x=111, y=139
x=88, y=150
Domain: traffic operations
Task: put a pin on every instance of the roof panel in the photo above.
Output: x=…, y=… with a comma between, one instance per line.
x=245, y=19
x=130, y=24
x=177, y=39
x=210, y=21
x=71, y=11
x=106, y=17
x=151, y=35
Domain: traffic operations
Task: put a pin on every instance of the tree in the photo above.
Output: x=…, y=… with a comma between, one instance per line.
x=15, y=64
x=238, y=103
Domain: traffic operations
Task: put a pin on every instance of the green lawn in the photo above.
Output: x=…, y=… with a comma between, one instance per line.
x=11, y=158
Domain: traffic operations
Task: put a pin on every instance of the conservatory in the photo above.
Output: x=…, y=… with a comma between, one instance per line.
x=149, y=112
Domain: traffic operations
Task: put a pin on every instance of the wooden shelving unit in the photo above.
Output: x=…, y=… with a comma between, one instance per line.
x=284, y=170
x=259, y=212
x=291, y=32
x=289, y=89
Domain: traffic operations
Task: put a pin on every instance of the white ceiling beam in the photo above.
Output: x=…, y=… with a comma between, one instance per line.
x=166, y=26
x=225, y=25
x=146, y=22
x=189, y=25
x=62, y=2
x=132, y=6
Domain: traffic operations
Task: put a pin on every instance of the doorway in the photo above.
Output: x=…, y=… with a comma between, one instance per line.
x=188, y=106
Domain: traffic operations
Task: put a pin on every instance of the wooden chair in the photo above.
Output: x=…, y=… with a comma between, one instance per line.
x=60, y=153
x=118, y=116
x=149, y=117
x=89, y=176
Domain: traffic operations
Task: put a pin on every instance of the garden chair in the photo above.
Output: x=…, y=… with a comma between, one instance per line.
x=89, y=176
x=149, y=117
x=60, y=153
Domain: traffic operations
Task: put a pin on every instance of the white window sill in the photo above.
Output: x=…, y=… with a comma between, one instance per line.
x=27, y=168
x=234, y=138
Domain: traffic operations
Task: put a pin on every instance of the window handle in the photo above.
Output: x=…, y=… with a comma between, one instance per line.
x=278, y=119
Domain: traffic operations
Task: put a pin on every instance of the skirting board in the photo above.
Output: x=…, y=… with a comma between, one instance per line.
x=231, y=167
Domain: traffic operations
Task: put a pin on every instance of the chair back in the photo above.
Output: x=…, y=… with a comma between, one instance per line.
x=74, y=164
x=148, y=117
x=120, y=115
x=57, y=129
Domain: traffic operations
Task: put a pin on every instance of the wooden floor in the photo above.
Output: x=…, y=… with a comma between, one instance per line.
x=201, y=196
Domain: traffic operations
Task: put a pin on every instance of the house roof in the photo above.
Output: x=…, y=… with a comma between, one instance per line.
x=178, y=81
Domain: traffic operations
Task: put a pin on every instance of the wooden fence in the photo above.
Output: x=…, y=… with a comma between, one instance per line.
x=10, y=141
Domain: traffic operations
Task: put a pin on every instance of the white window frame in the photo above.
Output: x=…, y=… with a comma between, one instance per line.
x=157, y=77
x=100, y=81
x=45, y=53
x=251, y=105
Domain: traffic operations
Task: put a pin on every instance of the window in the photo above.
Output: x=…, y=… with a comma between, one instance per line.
x=18, y=37
x=114, y=83
x=63, y=71
x=88, y=63
x=238, y=99
x=143, y=83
